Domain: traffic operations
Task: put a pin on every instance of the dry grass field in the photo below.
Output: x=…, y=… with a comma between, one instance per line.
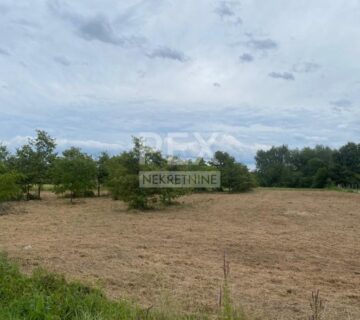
x=281, y=244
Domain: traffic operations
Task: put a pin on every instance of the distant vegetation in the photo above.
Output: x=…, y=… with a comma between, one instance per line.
x=78, y=174
x=317, y=167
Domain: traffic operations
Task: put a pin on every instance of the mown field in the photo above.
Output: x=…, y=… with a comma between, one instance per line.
x=281, y=245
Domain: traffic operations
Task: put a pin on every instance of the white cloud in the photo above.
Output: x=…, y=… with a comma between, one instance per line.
x=94, y=72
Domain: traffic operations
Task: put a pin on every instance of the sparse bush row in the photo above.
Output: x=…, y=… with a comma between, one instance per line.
x=79, y=174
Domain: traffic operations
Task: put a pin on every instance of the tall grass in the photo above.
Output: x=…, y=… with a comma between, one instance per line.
x=47, y=296
x=227, y=309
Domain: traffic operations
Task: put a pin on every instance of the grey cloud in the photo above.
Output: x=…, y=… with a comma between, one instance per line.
x=97, y=27
x=282, y=75
x=62, y=60
x=228, y=10
x=4, y=52
x=26, y=23
x=224, y=9
x=262, y=44
x=100, y=29
x=238, y=20
x=305, y=67
x=341, y=104
x=217, y=84
x=246, y=57
x=167, y=53
x=141, y=74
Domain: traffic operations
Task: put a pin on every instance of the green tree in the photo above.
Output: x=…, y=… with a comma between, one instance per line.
x=102, y=170
x=24, y=162
x=44, y=151
x=75, y=172
x=123, y=181
x=308, y=161
x=240, y=179
x=275, y=168
x=124, y=172
x=4, y=157
x=235, y=177
x=34, y=161
x=308, y=167
x=346, y=169
x=223, y=162
x=321, y=178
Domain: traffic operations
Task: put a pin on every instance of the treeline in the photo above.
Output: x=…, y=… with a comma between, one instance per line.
x=78, y=174
x=317, y=167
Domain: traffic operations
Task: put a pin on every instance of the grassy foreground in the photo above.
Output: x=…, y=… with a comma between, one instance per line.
x=46, y=296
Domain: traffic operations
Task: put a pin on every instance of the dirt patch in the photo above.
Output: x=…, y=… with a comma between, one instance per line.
x=281, y=245
x=7, y=208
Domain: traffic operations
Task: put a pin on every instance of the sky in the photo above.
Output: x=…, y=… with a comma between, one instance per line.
x=190, y=76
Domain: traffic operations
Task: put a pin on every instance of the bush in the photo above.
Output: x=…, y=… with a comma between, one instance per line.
x=123, y=180
x=235, y=177
x=125, y=186
x=75, y=172
x=9, y=187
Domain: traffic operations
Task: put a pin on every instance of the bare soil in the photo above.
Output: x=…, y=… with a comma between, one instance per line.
x=281, y=245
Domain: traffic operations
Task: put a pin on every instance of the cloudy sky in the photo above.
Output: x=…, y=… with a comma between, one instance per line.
x=245, y=74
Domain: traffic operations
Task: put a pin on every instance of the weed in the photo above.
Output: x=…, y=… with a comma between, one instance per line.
x=317, y=306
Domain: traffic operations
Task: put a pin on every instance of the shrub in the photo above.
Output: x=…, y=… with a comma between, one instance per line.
x=75, y=172
x=123, y=180
x=9, y=187
x=125, y=186
x=235, y=177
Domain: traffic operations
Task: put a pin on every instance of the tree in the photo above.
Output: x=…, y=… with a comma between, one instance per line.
x=240, y=179
x=124, y=176
x=75, y=172
x=24, y=162
x=34, y=161
x=102, y=170
x=123, y=181
x=321, y=178
x=4, y=153
x=44, y=147
x=4, y=157
x=234, y=176
x=223, y=162
x=346, y=170
x=275, y=168
x=305, y=168
x=308, y=161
